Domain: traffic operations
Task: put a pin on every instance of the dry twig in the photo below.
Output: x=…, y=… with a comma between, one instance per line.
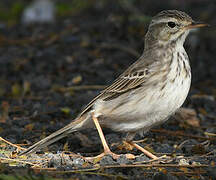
x=14, y=145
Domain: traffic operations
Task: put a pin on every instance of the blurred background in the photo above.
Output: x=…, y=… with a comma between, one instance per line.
x=48, y=49
x=56, y=55
x=40, y=36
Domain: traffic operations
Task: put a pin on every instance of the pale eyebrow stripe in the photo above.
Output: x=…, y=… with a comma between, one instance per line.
x=162, y=21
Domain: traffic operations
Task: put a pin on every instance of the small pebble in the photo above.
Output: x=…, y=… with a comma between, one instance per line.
x=78, y=162
x=107, y=160
x=123, y=160
x=141, y=158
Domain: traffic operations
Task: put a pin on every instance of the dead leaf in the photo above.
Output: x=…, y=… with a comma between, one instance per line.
x=189, y=116
x=66, y=147
x=130, y=156
x=198, y=149
x=184, y=169
x=16, y=90
x=29, y=127
x=66, y=110
x=77, y=79
x=202, y=111
x=26, y=87
x=125, y=146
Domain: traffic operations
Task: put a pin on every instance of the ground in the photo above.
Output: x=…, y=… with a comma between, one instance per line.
x=48, y=73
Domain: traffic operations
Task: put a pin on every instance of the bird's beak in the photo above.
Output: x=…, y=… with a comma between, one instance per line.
x=194, y=25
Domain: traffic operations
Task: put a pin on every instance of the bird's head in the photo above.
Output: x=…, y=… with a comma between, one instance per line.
x=170, y=26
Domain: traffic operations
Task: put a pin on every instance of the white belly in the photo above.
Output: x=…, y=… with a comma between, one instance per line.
x=146, y=109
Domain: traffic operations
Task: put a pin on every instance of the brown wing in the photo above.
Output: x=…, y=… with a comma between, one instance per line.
x=132, y=78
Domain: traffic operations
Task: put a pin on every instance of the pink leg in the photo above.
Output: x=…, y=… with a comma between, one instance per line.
x=104, y=143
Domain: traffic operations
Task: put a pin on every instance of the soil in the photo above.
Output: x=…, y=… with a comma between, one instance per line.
x=49, y=72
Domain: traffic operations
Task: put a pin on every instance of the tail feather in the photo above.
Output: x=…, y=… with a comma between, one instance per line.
x=61, y=133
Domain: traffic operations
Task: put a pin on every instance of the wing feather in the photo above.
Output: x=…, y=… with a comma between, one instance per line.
x=132, y=78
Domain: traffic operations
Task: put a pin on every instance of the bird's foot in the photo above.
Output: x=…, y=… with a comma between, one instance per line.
x=147, y=153
x=114, y=156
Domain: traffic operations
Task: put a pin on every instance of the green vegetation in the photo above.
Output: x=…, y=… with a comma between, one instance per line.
x=11, y=14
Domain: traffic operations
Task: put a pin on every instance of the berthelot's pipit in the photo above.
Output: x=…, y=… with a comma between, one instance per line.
x=147, y=93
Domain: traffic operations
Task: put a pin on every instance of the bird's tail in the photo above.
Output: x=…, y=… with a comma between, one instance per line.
x=61, y=133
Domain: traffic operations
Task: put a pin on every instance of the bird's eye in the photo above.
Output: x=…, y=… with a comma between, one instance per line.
x=171, y=24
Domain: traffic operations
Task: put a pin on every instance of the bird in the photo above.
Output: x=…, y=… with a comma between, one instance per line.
x=151, y=90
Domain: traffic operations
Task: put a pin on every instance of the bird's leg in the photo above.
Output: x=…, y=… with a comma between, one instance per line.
x=129, y=138
x=103, y=140
x=104, y=143
x=147, y=153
